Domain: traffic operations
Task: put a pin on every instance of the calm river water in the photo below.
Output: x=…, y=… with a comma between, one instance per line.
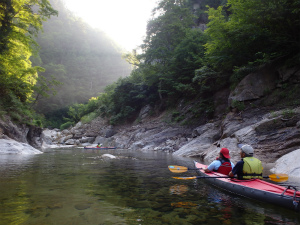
x=78, y=187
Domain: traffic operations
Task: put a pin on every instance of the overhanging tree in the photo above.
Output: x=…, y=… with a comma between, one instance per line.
x=20, y=22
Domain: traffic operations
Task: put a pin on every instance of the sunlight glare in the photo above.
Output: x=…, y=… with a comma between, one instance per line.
x=124, y=21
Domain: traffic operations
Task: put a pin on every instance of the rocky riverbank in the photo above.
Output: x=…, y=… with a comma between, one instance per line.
x=273, y=131
x=274, y=135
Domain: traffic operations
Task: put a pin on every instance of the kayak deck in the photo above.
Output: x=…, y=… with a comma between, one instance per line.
x=255, y=188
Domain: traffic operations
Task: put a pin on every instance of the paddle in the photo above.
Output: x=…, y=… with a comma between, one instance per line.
x=272, y=177
x=179, y=169
x=182, y=169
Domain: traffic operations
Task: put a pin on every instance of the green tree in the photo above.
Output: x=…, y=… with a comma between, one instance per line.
x=188, y=56
x=164, y=33
x=20, y=22
x=255, y=31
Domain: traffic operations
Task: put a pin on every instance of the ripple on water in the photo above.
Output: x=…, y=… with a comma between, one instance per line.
x=75, y=187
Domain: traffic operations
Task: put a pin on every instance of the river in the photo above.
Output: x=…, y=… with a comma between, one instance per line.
x=79, y=187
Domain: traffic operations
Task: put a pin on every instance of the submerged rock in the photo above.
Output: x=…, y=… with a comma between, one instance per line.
x=109, y=156
x=82, y=206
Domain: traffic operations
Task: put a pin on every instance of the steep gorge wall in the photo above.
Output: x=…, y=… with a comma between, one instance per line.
x=20, y=132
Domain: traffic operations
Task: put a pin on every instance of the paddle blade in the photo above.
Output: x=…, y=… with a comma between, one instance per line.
x=279, y=177
x=178, y=169
x=185, y=178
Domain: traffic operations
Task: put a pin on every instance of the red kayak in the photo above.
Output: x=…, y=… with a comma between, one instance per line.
x=255, y=188
x=92, y=147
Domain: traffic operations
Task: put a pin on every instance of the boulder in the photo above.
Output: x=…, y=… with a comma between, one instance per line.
x=70, y=142
x=49, y=136
x=254, y=85
x=145, y=111
x=207, y=135
x=110, y=132
x=288, y=164
x=10, y=146
x=87, y=140
x=64, y=139
x=108, y=156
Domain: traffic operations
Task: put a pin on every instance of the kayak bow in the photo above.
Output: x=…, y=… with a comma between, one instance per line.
x=261, y=190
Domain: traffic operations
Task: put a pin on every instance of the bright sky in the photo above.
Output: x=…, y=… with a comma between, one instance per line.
x=123, y=20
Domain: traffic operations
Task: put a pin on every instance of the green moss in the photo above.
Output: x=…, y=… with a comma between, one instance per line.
x=66, y=125
x=238, y=105
x=288, y=113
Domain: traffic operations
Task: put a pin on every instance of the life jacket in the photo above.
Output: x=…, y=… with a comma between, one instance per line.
x=252, y=168
x=225, y=167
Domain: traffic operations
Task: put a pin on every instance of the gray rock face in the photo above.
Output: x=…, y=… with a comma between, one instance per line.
x=288, y=164
x=205, y=136
x=13, y=131
x=9, y=146
x=271, y=134
x=87, y=140
x=290, y=73
x=254, y=85
x=110, y=132
x=145, y=111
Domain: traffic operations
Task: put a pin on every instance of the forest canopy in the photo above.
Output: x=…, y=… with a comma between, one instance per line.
x=192, y=49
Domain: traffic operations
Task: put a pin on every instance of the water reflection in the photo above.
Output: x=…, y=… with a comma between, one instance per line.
x=77, y=187
x=178, y=189
x=183, y=204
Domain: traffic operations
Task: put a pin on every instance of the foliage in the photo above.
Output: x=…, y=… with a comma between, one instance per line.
x=240, y=106
x=288, y=113
x=178, y=60
x=77, y=111
x=209, y=80
x=89, y=117
x=188, y=56
x=126, y=97
x=164, y=33
x=20, y=22
x=66, y=125
x=177, y=117
x=252, y=32
x=54, y=119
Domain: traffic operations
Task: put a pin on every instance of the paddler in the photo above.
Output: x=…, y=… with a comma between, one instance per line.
x=99, y=145
x=248, y=167
x=222, y=164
